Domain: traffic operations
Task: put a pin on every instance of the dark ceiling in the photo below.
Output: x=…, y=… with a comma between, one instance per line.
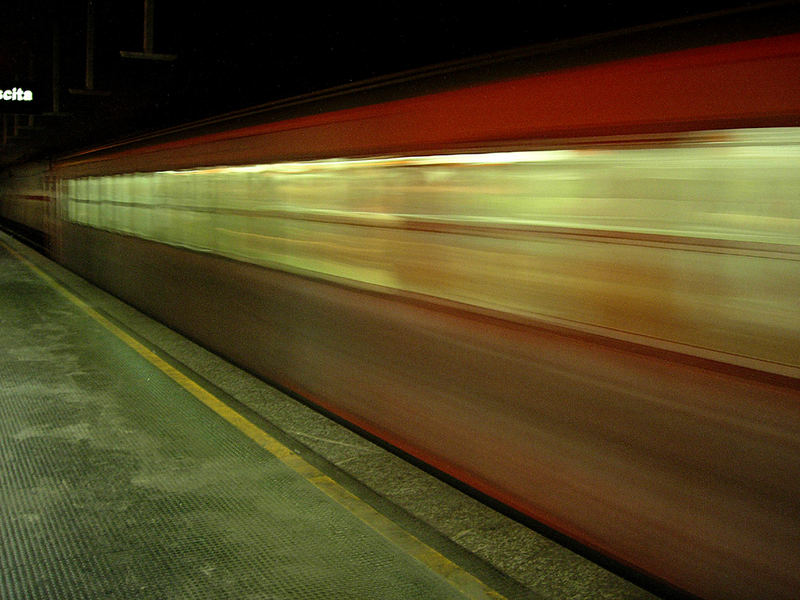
x=209, y=58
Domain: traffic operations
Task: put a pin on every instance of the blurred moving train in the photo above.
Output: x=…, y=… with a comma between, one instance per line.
x=575, y=291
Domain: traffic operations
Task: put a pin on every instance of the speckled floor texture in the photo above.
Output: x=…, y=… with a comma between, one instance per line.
x=117, y=483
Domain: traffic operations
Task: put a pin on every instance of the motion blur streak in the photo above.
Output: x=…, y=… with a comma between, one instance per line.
x=690, y=243
x=574, y=289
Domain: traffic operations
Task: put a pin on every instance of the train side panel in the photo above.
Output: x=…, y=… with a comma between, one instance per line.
x=27, y=205
x=751, y=83
x=683, y=473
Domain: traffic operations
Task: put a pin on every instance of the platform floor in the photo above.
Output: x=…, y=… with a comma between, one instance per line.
x=126, y=474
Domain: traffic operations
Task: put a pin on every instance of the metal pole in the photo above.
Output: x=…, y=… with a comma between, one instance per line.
x=56, y=68
x=148, y=43
x=90, y=45
x=149, y=12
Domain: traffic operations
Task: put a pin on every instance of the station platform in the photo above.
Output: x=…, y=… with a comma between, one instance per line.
x=135, y=464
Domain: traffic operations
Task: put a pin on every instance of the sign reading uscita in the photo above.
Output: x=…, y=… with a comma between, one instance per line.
x=16, y=95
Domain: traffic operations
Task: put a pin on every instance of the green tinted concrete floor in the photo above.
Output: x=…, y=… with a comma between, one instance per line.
x=117, y=483
x=68, y=405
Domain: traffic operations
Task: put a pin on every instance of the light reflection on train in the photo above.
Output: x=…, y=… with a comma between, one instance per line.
x=684, y=242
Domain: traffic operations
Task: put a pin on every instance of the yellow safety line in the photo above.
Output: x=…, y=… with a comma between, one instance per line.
x=464, y=582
